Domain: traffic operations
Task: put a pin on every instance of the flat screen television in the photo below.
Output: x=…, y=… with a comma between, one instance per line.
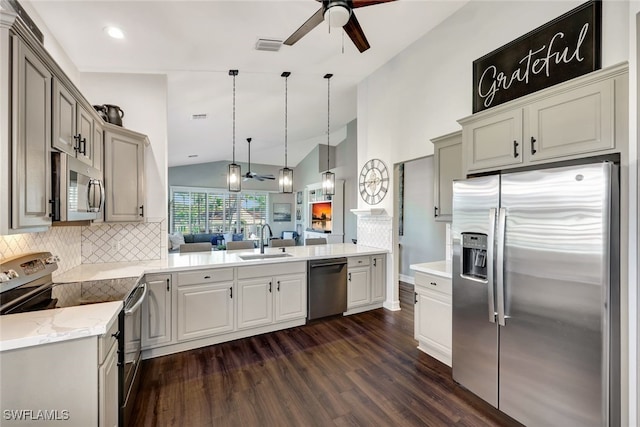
x=321, y=216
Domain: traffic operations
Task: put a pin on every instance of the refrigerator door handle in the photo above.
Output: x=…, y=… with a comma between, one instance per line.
x=502, y=222
x=490, y=280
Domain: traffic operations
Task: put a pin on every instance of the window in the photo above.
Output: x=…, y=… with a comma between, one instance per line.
x=210, y=210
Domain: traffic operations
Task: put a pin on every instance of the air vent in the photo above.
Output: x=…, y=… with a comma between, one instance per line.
x=270, y=45
x=202, y=116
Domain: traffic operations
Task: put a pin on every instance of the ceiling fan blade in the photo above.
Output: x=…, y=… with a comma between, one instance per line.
x=355, y=33
x=311, y=23
x=365, y=3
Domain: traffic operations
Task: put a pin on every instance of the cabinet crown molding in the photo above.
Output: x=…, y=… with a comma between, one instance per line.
x=7, y=18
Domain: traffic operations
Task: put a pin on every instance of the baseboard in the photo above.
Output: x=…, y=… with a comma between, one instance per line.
x=408, y=279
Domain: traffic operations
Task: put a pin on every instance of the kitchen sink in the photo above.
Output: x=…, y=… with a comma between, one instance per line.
x=248, y=257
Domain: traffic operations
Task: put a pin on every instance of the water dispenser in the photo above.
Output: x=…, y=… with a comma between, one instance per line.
x=474, y=256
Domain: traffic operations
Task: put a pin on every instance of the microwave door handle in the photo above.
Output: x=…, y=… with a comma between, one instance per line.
x=101, y=204
x=490, y=266
x=91, y=190
x=502, y=220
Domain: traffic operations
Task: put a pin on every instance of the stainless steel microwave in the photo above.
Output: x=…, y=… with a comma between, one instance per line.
x=77, y=189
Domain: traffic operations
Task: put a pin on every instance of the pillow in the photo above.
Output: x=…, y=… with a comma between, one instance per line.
x=176, y=240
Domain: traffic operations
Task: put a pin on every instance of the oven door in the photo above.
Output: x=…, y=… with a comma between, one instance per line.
x=130, y=349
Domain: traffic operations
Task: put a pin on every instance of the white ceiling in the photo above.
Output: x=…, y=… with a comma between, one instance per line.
x=196, y=42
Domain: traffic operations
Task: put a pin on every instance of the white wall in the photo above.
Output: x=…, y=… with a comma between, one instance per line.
x=143, y=98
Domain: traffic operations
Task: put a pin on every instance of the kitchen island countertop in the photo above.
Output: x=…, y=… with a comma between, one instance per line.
x=211, y=259
x=436, y=268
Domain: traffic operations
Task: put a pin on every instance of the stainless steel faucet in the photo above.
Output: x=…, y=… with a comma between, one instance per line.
x=262, y=236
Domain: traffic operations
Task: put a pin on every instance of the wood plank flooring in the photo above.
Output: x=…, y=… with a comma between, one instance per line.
x=360, y=370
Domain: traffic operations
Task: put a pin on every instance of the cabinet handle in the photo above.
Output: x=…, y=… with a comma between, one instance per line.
x=415, y=297
x=269, y=287
x=349, y=276
x=533, y=147
x=83, y=146
x=77, y=145
x=231, y=292
x=433, y=283
x=435, y=211
x=54, y=207
x=374, y=262
x=168, y=285
x=278, y=285
x=116, y=335
x=141, y=210
x=515, y=148
x=206, y=277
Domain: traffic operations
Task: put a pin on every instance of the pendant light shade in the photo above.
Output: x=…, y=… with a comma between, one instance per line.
x=286, y=174
x=328, y=177
x=234, y=172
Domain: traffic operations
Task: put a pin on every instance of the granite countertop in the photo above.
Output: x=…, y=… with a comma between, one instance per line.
x=211, y=259
x=436, y=268
x=60, y=324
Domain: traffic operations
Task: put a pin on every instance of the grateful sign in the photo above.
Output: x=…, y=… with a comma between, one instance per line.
x=560, y=50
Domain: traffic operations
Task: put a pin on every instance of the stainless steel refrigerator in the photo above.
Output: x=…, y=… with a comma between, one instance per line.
x=536, y=293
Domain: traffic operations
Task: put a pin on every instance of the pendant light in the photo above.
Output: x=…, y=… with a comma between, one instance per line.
x=328, y=177
x=234, y=173
x=286, y=174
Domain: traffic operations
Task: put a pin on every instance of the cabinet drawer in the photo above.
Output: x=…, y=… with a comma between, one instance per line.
x=358, y=261
x=433, y=283
x=211, y=275
x=106, y=341
x=267, y=270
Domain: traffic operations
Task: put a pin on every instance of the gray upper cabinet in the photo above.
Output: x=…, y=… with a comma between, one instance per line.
x=31, y=139
x=98, y=146
x=447, y=166
x=73, y=125
x=575, y=119
x=123, y=174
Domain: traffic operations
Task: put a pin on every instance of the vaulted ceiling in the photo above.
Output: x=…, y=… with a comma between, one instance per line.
x=195, y=43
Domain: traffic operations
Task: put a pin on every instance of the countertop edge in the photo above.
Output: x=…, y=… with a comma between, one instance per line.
x=436, y=268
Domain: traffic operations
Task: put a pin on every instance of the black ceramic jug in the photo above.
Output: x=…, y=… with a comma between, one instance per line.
x=114, y=114
x=102, y=112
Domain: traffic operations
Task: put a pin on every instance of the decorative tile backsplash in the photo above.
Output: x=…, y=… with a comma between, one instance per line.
x=92, y=245
x=376, y=231
x=61, y=241
x=121, y=242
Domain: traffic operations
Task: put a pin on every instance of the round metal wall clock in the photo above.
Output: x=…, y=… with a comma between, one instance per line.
x=373, y=181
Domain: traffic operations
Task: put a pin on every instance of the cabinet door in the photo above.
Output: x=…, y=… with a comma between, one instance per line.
x=108, y=390
x=123, y=178
x=433, y=320
x=85, y=136
x=447, y=166
x=358, y=287
x=205, y=310
x=255, y=302
x=31, y=163
x=64, y=119
x=156, y=311
x=98, y=146
x=378, y=278
x=494, y=141
x=291, y=297
x=572, y=123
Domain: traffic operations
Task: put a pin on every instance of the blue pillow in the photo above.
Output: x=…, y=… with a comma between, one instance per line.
x=238, y=237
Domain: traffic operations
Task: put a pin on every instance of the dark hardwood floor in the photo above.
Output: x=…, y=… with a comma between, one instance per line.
x=360, y=370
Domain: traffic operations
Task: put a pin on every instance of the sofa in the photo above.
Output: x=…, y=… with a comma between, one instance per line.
x=216, y=239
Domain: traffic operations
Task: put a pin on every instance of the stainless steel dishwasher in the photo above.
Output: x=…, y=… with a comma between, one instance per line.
x=326, y=287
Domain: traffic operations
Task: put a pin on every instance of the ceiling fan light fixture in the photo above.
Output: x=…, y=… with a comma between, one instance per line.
x=337, y=14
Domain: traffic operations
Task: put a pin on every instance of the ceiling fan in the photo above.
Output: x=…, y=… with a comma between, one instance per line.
x=337, y=13
x=253, y=175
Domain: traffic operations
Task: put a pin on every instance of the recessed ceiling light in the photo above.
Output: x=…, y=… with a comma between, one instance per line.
x=114, y=32
x=192, y=155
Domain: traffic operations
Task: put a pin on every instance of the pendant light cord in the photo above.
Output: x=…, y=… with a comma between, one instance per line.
x=285, y=118
x=234, y=119
x=328, y=113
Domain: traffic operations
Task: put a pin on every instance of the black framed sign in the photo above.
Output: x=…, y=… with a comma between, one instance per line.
x=567, y=47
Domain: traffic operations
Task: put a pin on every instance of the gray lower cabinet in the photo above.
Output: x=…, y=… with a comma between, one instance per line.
x=31, y=140
x=156, y=310
x=205, y=303
x=432, y=316
x=447, y=167
x=378, y=277
x=123, y=174
x=358, y=281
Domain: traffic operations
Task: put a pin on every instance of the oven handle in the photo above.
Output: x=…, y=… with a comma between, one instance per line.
x=137, y=304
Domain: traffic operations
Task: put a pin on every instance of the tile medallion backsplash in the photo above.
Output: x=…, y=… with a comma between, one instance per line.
x=121, y=242
x=62, y=241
